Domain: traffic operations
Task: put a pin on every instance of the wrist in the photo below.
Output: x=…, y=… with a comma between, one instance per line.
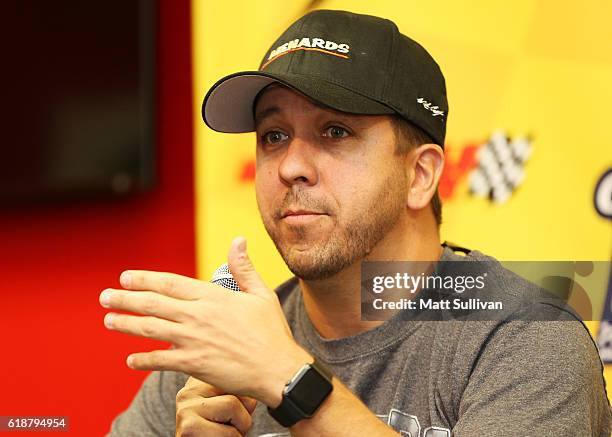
x=280, y=372
x=303, y=394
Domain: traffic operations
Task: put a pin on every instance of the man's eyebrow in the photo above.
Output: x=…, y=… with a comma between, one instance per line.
x=262, y=115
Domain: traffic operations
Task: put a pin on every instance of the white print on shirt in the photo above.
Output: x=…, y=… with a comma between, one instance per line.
x=406, y=424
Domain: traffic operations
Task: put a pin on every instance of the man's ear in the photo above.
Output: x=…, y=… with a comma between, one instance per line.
x=427, y=164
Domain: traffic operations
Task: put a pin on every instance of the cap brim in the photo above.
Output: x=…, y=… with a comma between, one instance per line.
x=228, y=105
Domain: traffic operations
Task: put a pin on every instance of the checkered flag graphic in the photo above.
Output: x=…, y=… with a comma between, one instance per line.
x=604, y=341
x=500, y=169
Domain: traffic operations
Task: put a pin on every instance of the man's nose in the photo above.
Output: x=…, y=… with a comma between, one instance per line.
x=297, y=165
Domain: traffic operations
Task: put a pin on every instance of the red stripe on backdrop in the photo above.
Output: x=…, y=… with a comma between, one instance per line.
x=57, y=358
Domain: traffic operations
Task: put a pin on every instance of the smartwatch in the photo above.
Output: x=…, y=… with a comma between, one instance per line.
x=303, y=394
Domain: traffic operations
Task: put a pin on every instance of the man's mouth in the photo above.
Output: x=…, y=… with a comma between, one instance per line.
x=298, y=216
x=291, y=212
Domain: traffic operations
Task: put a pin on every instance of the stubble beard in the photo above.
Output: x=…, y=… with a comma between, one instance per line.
x=348, y=242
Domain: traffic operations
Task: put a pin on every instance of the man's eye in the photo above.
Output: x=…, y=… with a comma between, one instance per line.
x=336, y=132
x=274, y=137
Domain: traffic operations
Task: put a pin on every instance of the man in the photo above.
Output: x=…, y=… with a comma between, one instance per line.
x=350, y=117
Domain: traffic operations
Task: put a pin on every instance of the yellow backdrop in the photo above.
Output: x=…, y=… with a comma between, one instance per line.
x=539, y=68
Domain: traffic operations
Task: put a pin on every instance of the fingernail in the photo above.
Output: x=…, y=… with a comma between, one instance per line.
x=242, y=244
x=130, y=361
x=105, y=298
x=126, y=279
x=108, y=320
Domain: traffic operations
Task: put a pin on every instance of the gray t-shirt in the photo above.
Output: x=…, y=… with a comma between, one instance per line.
x=436, y=378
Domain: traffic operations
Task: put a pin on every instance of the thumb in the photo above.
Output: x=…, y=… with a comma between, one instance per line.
x=243, y=271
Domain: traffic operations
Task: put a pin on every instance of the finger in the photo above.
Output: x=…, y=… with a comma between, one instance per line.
x=147, y=303
x=156, y=360
x=243, y=270
x=223, y=409
x=190, y=424
x=249, y=403
x=146, y=326
x=187, y=394
x=195, y=382
x=168, y=284
x=195, y=387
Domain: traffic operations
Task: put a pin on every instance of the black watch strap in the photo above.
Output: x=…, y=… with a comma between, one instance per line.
x=288, y=413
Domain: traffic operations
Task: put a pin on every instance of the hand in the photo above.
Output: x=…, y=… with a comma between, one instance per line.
x=239, y=342
x=202, y=409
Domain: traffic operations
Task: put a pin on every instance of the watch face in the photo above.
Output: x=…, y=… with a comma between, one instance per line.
x=310, y=391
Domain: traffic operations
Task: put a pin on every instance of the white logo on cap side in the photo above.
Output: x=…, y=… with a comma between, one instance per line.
x=433, y=109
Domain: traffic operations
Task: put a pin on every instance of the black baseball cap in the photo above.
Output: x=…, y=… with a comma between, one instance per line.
x=352, y=63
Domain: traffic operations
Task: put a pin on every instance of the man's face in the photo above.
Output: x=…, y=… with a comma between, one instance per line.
x=329, y=184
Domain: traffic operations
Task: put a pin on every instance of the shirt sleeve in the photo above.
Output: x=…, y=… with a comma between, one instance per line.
x=541, y=378
x=153, y=409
